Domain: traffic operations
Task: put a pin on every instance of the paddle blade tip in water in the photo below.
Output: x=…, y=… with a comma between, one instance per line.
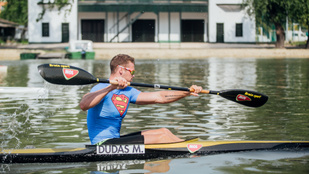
x=49, y=74
x=41, y=72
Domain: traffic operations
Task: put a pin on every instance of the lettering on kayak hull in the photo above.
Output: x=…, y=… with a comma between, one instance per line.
x=110, y=149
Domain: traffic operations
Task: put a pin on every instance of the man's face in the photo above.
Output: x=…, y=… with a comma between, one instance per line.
x=127, y=71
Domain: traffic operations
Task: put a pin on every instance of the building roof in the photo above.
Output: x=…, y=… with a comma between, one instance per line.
x=7, y=24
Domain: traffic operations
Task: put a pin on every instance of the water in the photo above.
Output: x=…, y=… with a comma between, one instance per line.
x=34, y=113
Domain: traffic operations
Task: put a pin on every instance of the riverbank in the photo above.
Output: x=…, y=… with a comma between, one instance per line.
x=164, y=50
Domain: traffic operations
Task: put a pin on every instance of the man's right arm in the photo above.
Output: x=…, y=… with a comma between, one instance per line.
x=91, y=99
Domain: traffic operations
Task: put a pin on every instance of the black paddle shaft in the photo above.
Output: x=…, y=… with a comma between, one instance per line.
x=158, y=86
x=69, y=75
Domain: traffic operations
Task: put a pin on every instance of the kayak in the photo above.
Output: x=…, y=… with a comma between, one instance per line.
x=109, y=152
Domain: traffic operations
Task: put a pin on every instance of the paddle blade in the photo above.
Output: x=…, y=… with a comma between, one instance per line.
x=245, y=97
x=65, y=74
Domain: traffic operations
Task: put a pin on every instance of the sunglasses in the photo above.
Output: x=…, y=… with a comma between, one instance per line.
x=131, y=71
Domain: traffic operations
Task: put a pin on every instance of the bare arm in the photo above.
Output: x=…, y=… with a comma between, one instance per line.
x=160, y=97
x=163, y=97
x=91, y=99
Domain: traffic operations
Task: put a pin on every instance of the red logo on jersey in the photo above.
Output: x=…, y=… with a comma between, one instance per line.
x=242, y=98
x=194, y=147
x=121, y=102
x=69, y=73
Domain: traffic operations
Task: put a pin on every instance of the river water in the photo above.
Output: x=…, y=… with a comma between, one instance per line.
x=35, y=113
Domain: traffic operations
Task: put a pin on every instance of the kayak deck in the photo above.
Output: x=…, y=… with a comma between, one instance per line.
x=140, y=151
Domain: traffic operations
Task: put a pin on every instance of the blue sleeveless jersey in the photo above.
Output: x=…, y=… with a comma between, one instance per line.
x=104, y=120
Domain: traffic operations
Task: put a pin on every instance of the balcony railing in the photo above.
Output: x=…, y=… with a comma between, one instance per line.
x=144, y=1
x=143, y=5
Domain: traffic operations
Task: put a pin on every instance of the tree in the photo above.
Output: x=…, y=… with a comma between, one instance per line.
x=272, y=11
x=16, y=11
x=299, y=12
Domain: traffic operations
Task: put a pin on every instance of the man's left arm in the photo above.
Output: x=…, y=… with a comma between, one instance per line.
x=163, y=97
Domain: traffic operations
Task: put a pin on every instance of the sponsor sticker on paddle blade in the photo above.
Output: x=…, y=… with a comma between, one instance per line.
x=194, y=147
x=69, y=73
x=241, y=97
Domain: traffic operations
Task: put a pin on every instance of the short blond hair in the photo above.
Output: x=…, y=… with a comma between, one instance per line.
x=120, y=59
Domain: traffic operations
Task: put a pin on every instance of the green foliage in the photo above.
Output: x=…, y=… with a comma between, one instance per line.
x=299, y=12
x=270, y=11
x=16, y=11
x=276, y=12
x=24, y=42
x=59, y=4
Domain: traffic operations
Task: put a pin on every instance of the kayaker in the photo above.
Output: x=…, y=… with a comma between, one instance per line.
x=107, y=105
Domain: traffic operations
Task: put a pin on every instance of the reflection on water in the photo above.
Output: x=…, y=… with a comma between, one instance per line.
x=39, y=114
x=234, y=163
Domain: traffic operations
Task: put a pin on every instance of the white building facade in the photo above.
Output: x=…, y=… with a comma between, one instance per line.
x=169, y=21
x=55, y=26
x=228, y=22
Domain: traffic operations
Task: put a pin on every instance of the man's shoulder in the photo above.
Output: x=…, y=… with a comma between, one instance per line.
x=130, y=88
x=103, y=85
x=99, y=86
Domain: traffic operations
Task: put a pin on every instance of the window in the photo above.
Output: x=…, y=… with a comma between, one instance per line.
x=239, y=30
x=45, y=29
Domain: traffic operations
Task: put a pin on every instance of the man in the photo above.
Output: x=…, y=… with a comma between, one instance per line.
x=107, y=105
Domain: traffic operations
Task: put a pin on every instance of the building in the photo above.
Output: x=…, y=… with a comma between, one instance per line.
x=8, y=30
x=163, y=21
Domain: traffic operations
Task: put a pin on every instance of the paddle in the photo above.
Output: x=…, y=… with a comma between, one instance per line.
x=69, y=75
